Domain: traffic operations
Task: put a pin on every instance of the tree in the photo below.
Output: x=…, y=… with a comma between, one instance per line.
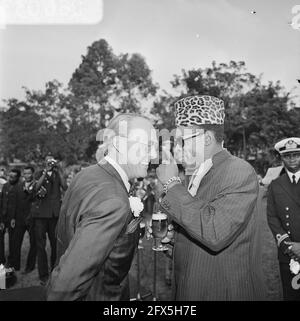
x=65, y=121
x=107, y=83
x=21, y=135
x=163, y=112
x=255, y=113
x=226, y=81
x=67, y=134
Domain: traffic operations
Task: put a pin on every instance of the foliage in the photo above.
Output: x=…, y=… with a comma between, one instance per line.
x=110, y=84
x=254, y=110
x=64, y=121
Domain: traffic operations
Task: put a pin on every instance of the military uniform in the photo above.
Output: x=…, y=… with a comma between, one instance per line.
x=283, y=211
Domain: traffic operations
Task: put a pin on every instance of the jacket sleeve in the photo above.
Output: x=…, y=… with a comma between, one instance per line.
x=275, y=223
x=215, y=223
x=1, y=206
x=92, y=242
x=14, y=200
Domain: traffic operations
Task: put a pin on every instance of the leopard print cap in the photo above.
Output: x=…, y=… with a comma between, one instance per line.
x=199, y=110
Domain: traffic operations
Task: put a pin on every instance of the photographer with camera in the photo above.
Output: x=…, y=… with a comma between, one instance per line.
x=45, y=211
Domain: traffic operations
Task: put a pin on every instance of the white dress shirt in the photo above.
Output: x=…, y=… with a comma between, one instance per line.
x=297, y=176
x=120, y=170
x=27, y=184
x=198, y=175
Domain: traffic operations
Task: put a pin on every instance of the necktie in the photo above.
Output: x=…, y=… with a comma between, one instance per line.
x=294, y=179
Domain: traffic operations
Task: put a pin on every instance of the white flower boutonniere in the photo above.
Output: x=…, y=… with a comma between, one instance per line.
x=136, y=205
x=294, y=266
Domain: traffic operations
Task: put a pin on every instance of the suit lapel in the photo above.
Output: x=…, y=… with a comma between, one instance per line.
x=112, y=171
x=286, y=185
x=133, y=224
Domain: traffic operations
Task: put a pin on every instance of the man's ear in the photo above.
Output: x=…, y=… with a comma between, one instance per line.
x=208, y=138
x=120, y=144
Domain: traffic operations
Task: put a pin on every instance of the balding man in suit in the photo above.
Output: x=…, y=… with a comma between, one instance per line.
x=97, y=230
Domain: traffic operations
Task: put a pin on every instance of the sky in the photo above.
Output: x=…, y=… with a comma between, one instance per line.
x=170, y=34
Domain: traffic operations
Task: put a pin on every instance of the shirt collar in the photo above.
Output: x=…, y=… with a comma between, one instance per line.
x=297, y=176
x=198, y=176
x=120, y=171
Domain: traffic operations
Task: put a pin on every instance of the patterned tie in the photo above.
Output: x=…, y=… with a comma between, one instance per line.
x=294, y=179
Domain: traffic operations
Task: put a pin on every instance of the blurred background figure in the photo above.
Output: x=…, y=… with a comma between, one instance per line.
x=2, y=172
x=272, y=173
x=45, y=211
x=72, y=173
x=8, y=213
x=24, y=220
x=3, y=178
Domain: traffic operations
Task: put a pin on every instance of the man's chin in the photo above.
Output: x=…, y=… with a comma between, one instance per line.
x=294, y=169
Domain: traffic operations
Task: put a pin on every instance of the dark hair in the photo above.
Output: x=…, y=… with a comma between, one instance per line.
x=29, y=167
x=218, y=131
x=17, y=171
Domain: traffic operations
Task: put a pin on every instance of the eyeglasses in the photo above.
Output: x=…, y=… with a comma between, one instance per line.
x=151, y=145
x=184, y=138
x=181, y=140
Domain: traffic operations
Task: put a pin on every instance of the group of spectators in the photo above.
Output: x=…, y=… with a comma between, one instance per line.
x=30, y=201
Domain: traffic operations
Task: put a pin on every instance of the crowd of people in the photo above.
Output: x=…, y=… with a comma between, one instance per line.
x=212, y=209
x=31, y=202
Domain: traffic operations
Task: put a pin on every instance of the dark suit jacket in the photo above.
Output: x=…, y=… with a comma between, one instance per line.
x=217, y=246
x=283, y=210
x=49, y=206
x=8, y=202
x=24, y=202
x=94, y=251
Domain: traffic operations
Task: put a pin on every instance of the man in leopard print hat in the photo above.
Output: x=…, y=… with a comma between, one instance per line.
x=195, y=116
x=217, y=252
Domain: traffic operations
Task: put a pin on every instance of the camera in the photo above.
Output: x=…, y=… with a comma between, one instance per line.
x=52, y=163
